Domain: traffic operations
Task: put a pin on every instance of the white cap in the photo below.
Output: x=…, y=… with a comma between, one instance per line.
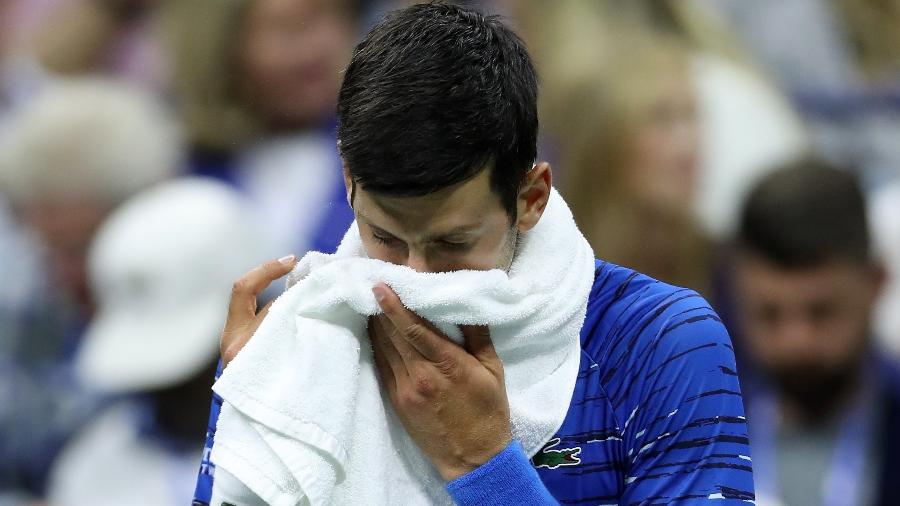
x=161, y=268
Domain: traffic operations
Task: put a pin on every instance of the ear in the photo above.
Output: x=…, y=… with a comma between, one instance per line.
x=880, y=277
x=533, y=196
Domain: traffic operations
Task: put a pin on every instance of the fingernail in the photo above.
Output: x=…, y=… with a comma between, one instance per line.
x=379, y=293
x=286, y=260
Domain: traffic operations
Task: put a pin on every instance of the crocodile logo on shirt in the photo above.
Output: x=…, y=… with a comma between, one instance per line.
x=553, y=458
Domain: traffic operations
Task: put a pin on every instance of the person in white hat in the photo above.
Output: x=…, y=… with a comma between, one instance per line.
x=68, y=157
x=161, y=267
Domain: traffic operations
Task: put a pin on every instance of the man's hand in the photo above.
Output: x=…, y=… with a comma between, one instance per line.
x=243, y=320
x=451, y=399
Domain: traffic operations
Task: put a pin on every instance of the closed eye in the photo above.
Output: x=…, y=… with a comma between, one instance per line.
x=384, y=238
x=453, y=245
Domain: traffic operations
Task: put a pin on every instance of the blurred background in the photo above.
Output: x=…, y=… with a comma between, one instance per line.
x=151, y=151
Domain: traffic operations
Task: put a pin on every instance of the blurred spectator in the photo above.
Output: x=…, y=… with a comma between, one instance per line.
x=161, y=267
x=19, y=74
x=44, y=39
x=644, y=108
x=70, y=156
x=824, y=403
x=744, y=125
x=628, y=148
x=885, y=217
x=257, y=83
x=76, y=37
x=839, y=61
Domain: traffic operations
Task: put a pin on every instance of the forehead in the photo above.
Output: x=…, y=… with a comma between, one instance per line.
x=468, y=204
x=830, y=279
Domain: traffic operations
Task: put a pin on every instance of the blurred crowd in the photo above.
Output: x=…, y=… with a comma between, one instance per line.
x=151, y=151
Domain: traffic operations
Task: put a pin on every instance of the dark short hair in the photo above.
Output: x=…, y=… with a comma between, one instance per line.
x=434, y=94
x=804, y=214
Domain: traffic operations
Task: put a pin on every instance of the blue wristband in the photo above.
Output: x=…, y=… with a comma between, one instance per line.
x=506, y=479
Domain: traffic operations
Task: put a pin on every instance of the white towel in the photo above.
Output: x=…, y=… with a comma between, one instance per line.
x=305, y=420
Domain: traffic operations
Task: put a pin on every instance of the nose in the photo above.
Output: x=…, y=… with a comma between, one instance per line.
x=417, y=261
x=798, y=336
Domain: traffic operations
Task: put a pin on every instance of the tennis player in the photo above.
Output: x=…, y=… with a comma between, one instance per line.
x=438, y=125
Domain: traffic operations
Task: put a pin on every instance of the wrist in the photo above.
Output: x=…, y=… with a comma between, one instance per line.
x=508, y=478
x=466, y=463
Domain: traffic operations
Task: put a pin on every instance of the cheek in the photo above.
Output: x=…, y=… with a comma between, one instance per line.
x=757, y=335
x=664, y=159
x=845, y=335
x=493, y=252
x=645, y=175
x=255, y=62
x=496, y=250
x=482, y=257
x=663, y=156
x=759, y=320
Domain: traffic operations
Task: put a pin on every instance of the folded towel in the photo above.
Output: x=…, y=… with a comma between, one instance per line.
x=305, y=420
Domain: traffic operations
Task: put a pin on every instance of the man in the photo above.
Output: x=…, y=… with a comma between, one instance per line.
x=437, y=132
x=142, y=266
x=825, y=404
x=67, y=158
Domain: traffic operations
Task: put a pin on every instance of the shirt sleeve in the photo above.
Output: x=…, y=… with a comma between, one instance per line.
x=203, y=491
x=506, y=479
x=685, y=434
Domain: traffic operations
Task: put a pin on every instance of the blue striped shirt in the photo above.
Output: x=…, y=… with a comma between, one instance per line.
x=656, y=415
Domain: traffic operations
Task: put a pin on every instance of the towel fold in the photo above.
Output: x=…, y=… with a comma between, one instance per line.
x=305, y=420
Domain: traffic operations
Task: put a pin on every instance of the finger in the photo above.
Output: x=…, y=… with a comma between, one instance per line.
x=260, y=316
x=231, y=344
x=413, y=335
x=383, y=347
x=264, y=311
x=242, y=319
x=242, y=308
x=234, y=339
x=478, y=342
x=385, y=370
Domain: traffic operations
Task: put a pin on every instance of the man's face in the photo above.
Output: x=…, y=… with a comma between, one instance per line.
x=67, y=228
x=807, y=328
x=662, y=172
x=462, y=227
x=291, y=55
